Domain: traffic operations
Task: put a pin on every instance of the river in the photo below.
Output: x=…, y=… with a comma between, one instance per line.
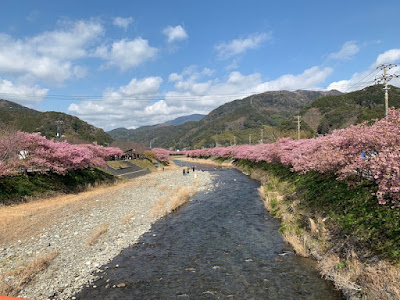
x=221, y=245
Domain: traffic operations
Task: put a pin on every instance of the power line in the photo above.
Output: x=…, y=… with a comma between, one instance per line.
x=183, y=98
x=385, y=78
x=362, y=82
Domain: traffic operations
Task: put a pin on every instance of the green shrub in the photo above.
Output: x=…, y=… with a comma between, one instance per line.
x=17, y=188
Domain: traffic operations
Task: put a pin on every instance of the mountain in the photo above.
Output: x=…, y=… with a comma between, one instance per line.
x=333, y=112
x=18, y=117
x=124, y=134
x=184, y=119
x=232, y=122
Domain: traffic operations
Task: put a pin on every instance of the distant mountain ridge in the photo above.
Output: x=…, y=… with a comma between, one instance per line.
x=239, y=116
x=75, y=130
x=184, y=119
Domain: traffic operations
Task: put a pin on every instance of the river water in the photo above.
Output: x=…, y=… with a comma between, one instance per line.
x=221, y=245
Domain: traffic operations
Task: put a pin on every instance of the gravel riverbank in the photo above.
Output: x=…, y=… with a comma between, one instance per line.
x=86, y=236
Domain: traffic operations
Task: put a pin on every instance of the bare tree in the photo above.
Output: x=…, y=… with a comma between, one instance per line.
x=9, y=148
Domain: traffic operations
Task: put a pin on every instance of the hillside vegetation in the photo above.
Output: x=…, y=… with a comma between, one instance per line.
x=22, y=188
x=333, y=112
x=229, y=123
x=268, y=117
x=72, y=128
x=354, y=240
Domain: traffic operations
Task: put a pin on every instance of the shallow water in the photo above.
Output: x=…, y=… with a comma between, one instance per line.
x=222, y=244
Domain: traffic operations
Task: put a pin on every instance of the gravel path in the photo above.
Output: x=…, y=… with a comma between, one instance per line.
x=118, y=218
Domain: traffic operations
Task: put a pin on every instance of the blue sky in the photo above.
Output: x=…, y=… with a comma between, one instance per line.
x=134, y=63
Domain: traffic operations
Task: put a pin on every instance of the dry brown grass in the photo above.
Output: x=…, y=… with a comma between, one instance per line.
x=382, y=279
x=260, y=175
x=355, y=278
x=368, y=279
x=172, y=201
x=171, y=167
x=273, y=201
x=299, y=244
x=12, y=282
x=128, y=217
x=181, y=197
x=343, y=273
x=205, y=162
x=163, y=188
x=96, y=234
x=160, y=208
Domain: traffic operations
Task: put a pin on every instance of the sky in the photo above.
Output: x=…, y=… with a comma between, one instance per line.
x=134, y=63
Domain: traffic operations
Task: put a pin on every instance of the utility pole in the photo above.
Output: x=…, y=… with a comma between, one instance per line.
x=234, y=140
x=59, y=123
x=385, y=78
x=249, y=139
x=262, y=136
x=298, y=121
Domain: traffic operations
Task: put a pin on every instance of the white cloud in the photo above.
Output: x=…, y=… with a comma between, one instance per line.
x=238, y=46
x=174, y=77
x=49, y=56
x=139, y=102
x=176, y=33
x=233, y=65
x=348, y=50
x=79, y=72
x=309, y=79
x=124, y=106
x=126, y=54
x=390, y=56
x=340, y=85
x=201, y=96
x=366, y=78
x=148, y=86
x=69, y=43
x=123, y=22
x=21, y=93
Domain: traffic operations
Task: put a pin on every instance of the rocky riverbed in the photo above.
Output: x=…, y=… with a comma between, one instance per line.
x=87, y=236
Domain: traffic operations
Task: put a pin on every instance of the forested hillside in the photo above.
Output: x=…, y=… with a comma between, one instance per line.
x=18, y=117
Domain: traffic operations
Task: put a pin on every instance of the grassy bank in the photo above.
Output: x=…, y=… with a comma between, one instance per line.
x=355, y=240
x=14, y=189
x=144, y=163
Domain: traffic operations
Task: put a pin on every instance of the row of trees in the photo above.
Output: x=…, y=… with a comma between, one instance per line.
x=356, y=153
x=161, y=154
x=22, y=151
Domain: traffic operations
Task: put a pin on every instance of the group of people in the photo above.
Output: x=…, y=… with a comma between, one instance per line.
x=186, y=171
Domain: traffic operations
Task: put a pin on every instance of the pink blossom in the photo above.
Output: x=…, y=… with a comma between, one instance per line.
x=45, y=155
x=338, y=153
